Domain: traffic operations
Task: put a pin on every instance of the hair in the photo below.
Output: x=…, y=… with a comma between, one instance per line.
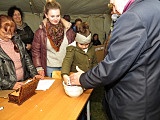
x=51, y=5
x=95, y=34
x=83, y=29
x=7, y=23
x=9, y=26
x=12, y=9
x=78, y=19
x=67, y=17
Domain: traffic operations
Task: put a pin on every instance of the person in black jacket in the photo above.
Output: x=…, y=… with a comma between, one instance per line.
x=15, y=64
x=95, y=39
x=23, y=29
x=130, y=71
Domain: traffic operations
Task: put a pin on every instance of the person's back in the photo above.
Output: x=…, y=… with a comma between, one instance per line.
x=130, y=71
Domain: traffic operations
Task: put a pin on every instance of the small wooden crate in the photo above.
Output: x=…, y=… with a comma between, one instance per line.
x=24, y=93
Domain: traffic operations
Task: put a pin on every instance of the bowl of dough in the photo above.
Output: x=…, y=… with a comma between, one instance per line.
x=72, y=91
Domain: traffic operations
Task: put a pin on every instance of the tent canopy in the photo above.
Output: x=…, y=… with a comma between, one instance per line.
x=95, y=12
x=71, y=7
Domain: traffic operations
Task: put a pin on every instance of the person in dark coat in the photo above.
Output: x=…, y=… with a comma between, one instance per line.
x=130, y=71
x=23, y=30
x=95, y=39
x=50, y=40
x=15, y=64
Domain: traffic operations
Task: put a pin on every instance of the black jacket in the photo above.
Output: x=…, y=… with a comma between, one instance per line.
x=7, y=68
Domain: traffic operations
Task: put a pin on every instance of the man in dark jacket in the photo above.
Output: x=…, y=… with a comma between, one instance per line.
x=130, y=71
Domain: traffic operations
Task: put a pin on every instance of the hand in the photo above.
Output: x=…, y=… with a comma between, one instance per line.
x=39, y=76
x=28, y=47
x=41, y=72
x=18, y=85
x=66, y=79
x=74, y=78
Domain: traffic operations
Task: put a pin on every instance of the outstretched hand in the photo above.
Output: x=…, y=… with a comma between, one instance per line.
x=74, y=78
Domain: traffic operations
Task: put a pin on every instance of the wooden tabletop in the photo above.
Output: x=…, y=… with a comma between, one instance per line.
x=52, y=104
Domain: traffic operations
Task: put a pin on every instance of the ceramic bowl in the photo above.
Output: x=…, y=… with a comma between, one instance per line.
x=72, y=91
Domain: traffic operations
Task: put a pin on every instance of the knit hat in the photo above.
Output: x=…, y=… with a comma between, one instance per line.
x=83, y=39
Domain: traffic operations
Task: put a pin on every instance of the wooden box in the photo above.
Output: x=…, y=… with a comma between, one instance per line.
x=24, y=93
x=99, y=49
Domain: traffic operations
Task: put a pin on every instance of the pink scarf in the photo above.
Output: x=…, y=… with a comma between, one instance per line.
x=128, y=5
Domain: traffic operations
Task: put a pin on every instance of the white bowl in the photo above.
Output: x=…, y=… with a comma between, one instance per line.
x=72, y=91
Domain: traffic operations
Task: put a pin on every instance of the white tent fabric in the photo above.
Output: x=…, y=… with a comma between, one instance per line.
x=95, y=12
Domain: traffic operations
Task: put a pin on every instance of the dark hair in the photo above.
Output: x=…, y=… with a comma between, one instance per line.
x=12, y=9
x=78, y=19
x=83, y=29
x=95, y=34
x=67, y=17
x=51, y=5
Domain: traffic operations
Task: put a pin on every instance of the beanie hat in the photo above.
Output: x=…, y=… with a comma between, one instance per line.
x=83, y=39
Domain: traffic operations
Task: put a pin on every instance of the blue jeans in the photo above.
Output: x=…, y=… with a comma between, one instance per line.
x=51, y=69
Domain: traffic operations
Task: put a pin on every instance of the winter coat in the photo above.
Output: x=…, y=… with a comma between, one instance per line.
x=40, y=45
x=96, y=42
x=26, y=35
x=131, y=70
x=75, y=56
x=7, y=69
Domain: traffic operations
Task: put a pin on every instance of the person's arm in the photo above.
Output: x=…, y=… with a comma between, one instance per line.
x=128, y=38
x=67, y=62
x=5, y=84
x=36, y=49
x=25, y=58
x=30, y=34
x=30, y=38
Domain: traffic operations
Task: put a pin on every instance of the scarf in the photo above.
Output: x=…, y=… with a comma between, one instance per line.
x=55, y=34
x=22, y=26
x=128, y=5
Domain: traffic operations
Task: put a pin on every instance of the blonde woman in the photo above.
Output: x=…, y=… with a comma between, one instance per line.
x=51, y=39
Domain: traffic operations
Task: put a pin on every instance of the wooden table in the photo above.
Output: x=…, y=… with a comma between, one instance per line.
x=52, y=104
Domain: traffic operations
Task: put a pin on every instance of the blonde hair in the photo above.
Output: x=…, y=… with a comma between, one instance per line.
x=51, y=4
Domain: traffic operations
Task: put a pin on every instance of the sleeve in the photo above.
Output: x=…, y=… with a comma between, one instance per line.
x=127, y=41
x=68, y=60
x=27, y=62
x=29, y=65
x=36, y=49
x=4, y=84
x=30, y=35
